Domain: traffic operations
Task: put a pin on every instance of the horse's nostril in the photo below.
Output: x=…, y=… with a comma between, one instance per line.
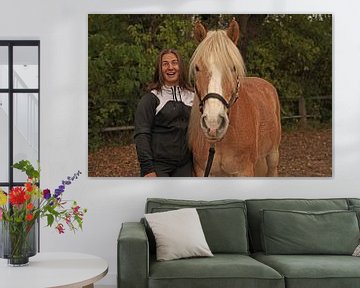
x=222, y=122
x=203, y=121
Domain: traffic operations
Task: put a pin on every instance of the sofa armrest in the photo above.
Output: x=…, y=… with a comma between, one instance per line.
x=133, y=256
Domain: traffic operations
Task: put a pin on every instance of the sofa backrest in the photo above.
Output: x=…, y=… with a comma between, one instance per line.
x=354, y=202
x=223, y=222
x=354, y=205
x=254, y=207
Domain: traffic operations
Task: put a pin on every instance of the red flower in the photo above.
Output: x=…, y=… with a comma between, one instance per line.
x=28, y=186
x=60, y=228
x=17, y=196
x=29, y=206
x=27, y=196
x=68, y=219
x=75, y=209
x=29, y=217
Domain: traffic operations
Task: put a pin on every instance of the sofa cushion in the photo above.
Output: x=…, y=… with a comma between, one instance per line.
x=178, y=234
x=222, y=270
x=223, y=221
x=254, y=217
x=356, y=209
x=353, y=201
x=313, y=271
x=298, y=232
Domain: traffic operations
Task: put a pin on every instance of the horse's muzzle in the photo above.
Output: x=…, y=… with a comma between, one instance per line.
x=214, y=127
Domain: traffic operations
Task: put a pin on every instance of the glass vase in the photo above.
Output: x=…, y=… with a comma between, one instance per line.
x=17, y=242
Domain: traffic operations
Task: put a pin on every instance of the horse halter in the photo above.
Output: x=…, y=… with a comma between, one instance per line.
x=232, y=100
x=228, y=105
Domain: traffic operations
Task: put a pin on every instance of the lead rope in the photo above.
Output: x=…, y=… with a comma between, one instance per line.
x=210, y=160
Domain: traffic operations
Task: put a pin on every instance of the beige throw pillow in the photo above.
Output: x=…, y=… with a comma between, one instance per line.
x=178, y=234
x=357, y=251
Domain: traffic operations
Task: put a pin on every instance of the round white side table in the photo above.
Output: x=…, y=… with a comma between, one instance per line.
x=50, y=270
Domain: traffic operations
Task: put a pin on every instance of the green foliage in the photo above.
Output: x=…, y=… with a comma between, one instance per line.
x=122, y=55
x=294, y=53
x=26, y=167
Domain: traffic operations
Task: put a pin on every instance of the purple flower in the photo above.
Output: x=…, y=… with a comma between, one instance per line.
x=68, y=181
x=46, y=194
x=58, y=192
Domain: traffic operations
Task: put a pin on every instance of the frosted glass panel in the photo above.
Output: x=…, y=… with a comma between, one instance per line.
x=26, y=130
x=26, y=72
x=4, y=137
x=4, y=67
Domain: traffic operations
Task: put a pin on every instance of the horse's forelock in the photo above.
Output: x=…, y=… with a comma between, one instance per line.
x=218, y=47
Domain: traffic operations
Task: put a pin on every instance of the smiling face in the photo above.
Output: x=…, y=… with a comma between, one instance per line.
x=170, y=69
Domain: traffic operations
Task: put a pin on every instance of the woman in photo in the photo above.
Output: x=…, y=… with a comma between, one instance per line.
x=161, y=120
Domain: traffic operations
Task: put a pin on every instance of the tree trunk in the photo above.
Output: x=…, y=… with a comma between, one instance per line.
x=249, y=27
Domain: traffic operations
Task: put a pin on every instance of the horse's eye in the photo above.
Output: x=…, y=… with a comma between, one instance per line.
x=234, y=69
x=197, y=68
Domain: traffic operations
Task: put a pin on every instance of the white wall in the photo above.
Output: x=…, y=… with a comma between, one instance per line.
x=62, y=28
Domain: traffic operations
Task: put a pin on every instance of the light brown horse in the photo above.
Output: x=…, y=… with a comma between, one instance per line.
x=239, y=115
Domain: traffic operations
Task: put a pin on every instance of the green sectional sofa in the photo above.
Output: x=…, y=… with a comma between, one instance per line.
x=260, y=243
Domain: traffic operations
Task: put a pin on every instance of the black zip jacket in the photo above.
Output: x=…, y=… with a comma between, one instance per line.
x=161, y=122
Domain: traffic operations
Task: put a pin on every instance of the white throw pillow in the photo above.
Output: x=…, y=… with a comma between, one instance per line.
x=357, y=251
x=178, y=234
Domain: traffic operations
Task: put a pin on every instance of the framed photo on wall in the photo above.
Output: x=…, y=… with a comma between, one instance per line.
x=259, y=93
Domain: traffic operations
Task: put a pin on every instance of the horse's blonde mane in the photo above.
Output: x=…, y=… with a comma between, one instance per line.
x=222, y=51
x=226, y=57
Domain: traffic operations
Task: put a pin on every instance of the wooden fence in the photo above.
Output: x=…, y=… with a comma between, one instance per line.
x=303, y=115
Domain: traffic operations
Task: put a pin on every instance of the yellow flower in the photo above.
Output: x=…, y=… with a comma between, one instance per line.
x=3, y=198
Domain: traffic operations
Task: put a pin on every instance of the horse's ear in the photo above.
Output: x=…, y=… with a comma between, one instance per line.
x=233, y=32
x=199, y=31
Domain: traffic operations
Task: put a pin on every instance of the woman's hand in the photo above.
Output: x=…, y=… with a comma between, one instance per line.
x=151, y=174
